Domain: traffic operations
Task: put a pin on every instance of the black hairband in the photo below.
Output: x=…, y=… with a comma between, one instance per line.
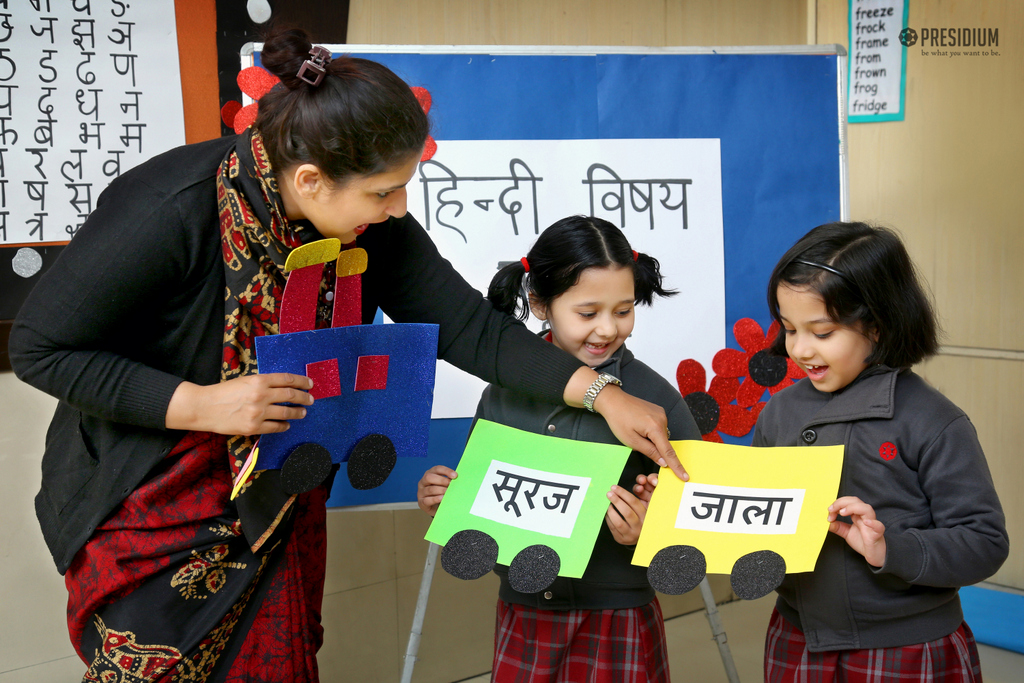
x=824, y=267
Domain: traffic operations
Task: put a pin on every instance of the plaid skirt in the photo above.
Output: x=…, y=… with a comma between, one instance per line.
x=580, y=646
x=953, y=659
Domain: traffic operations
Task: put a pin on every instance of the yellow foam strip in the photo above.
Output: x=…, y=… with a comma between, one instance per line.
x=351, y=262
x=312, y=254
x=243, y=474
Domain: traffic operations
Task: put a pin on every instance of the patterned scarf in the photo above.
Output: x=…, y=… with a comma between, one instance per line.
x=256, y=238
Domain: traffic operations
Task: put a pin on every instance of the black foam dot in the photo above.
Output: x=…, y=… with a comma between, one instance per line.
x=757, y=574
x=677, y=569
x=767, y=369
x=305, y=468
x=533, y=569
x=371, y=462
x=469, y=554
x=704, y=410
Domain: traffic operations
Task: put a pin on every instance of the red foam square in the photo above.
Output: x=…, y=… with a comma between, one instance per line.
x=371, y=373
x=326, y=382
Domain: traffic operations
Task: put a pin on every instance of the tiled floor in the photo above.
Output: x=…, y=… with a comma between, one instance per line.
x=694, y=658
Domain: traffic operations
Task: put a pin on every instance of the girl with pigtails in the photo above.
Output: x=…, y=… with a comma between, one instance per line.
x=144, y=330
x=584, y=280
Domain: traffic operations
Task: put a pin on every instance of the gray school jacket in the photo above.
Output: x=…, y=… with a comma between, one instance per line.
x=610, y=580
x=915, y=458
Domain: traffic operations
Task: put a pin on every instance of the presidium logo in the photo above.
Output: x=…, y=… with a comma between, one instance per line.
x=953, y=37
x=908, y=37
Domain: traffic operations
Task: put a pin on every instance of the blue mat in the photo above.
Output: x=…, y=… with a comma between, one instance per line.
x=996, y=617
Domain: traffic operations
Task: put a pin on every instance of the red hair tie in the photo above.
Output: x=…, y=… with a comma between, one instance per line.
x=526, y=264
x=636, y=256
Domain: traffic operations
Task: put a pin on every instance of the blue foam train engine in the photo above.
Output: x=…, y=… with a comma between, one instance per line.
x=372, y=384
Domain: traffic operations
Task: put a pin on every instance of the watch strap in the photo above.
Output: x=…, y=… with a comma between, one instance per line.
x=603, y=380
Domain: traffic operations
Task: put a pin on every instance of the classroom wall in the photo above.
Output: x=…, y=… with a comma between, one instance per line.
x=944, y=177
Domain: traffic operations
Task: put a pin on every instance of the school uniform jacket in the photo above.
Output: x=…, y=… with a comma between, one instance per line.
x=915, y=458
x=610, y=581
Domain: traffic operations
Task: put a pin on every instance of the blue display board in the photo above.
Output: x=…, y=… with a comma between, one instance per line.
x=776, y=112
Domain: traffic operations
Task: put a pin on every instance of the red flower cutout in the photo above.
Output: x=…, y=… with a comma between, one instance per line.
x=713, y=409
x=255, y=81
x=760, y=369
x=425, y=100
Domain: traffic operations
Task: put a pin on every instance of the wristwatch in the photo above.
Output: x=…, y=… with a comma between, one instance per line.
x=603, y=380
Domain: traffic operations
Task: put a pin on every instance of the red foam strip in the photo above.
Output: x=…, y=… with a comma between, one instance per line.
x=371, y=373
x=326, y=382
x=298, y=304
x=348, y=301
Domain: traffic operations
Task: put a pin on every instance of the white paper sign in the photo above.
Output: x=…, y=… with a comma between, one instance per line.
x=877, y=60
x=485, y=202
x=88, y=89
x=530, y=499
x=739, y=510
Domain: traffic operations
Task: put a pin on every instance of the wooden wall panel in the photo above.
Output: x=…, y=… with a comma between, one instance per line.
x=196, y=23
x=986, y=389
x=653, y=23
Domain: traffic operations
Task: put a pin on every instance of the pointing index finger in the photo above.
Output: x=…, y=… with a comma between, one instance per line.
x=668, y=457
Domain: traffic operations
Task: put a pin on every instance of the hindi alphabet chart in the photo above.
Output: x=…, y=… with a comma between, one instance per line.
x=741, y=500
x=88, y=89
x=484, y=202
x=524, y=489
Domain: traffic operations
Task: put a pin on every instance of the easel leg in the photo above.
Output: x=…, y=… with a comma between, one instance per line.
x=718, y=632
x=421, y=610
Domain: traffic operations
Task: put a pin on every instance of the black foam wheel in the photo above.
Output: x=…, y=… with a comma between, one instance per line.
x=533, y=569
x=305, y=468
x=757, y=574
x=469, y=554
x=677, y=569
x=371, y=462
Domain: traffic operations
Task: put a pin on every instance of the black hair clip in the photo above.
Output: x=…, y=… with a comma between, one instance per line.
x=314, y=69
x=822, y=266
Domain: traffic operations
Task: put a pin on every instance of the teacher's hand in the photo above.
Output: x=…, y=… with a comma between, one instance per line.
x=637, y=423
x=244, y=405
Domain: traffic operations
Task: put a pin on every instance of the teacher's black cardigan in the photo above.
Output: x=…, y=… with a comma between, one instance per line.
x=134, y=305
